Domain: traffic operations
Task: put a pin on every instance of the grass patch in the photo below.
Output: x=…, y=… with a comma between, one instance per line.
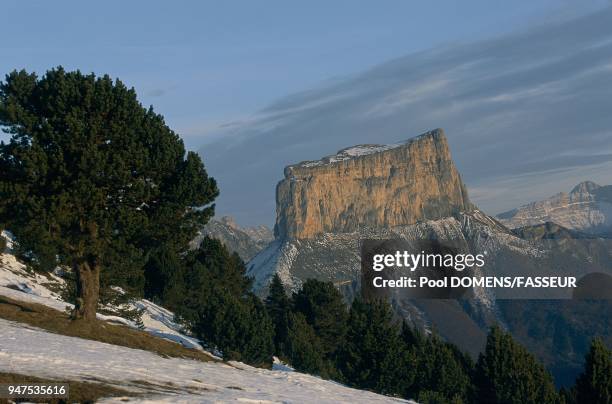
x=81, y=392
x=59, y=322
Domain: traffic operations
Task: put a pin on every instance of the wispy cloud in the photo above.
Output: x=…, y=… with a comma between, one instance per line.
x=518, y=110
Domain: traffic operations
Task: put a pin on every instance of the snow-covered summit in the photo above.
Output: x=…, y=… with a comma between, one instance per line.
x=363, y=150
x=351, y=152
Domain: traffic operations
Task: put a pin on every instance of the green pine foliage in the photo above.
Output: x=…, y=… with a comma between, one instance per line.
x=441, y=368
x=304, y=349
x=278, y=306
x=323, y=308
x=594, y=385
x=237, y=326
x=162, y=275
x=212, y=295
x=90, y=177
x=372, y=356
x=123, y=263
x=507, y=373
x=434, y=397
x=376, y=353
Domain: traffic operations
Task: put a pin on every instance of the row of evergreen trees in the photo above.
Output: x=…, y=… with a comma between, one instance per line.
x=208, y=290
x=363, y=346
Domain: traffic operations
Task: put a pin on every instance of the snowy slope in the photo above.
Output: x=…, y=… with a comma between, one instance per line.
x=17, y=283
x=35, y=352
x=31, y=351
x=14, y=274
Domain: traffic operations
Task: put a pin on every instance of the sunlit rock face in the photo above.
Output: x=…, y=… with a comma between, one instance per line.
x=373, y=186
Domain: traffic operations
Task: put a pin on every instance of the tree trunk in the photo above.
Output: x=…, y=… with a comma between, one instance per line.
x=87, y=290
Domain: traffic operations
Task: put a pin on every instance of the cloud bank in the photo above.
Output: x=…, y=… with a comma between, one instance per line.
x=527, y=115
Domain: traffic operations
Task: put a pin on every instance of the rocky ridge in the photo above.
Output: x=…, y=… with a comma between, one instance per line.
x=587, y=208
x=377, y=186
x=245, y=241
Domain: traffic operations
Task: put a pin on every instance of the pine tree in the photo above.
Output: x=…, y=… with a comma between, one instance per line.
x=238, y=327
x=278, y=307
x=88, y=168
x=323, y=308
x=507, y=373
x=372, y=355
x=162, y=274
x=442, y=372
x=303, y=347
x=411, y=336
x=213, y=297
x=594, y=385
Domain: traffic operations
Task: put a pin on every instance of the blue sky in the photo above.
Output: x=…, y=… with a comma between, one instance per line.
x=519, y=86
x=203, y=63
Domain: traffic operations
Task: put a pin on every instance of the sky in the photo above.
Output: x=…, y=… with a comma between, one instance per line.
x=257, y=85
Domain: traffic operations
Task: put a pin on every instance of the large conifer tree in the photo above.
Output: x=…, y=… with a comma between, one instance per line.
x=372, y=355
x=323, y=308
x=441, y=371
x=507, y=373
x=279, y=307
x=304, y=349
x=594, y=385
x=88, y=167
x=213, y=298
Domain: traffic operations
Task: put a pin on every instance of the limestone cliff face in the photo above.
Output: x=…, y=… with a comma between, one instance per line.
x=372, y=186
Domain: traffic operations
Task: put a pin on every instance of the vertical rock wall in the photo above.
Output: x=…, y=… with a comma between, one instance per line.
x=370, y=186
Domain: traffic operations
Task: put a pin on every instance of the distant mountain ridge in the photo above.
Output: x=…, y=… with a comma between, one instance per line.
x=245, y=241
x=586, y=208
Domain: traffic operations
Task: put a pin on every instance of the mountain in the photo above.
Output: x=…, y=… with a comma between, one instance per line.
x=370, y=186
x=587, y=208
x=245, y=241
x=325, y=207
x=548, y=230
x=412, y=192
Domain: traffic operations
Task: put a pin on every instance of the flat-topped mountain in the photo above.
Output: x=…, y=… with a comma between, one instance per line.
x=412, y=191
x=371, y=186
x=587, y=208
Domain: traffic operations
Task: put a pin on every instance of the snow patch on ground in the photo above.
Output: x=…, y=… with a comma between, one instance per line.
x=280, y=365
x=17, y=283
x=31, y=351
x=160, y=322
x=14, y=274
